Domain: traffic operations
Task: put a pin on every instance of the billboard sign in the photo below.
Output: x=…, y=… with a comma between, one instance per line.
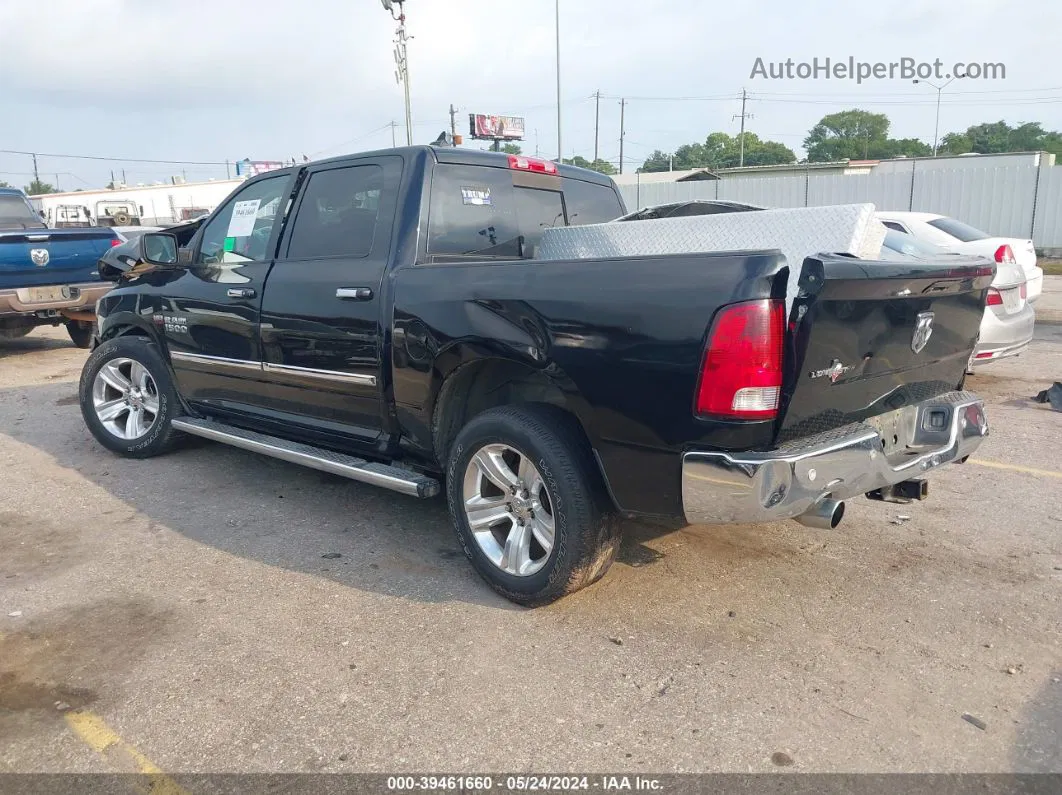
x=252, y=168
x=496, y=128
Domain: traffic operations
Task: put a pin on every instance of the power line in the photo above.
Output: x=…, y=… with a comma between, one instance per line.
x=116, y=159
x=908, y=93
x=909, y=103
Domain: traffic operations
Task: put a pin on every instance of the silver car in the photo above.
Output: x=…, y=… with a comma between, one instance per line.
x=1007, y=325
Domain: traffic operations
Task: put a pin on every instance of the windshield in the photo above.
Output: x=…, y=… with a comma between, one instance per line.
x=958, y=230
x=15, y=211
x=905, y=244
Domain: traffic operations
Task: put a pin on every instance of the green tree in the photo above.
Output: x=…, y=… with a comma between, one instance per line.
x=4, y=184
x=999, y=137
x=598, y=165
x=1052, y=142
x=720, y=150
x=578, y=161
x=512, y=149
x=603, y=166
x=657, y=161
x=955, y=144
x=847, y=135
x=37, y=187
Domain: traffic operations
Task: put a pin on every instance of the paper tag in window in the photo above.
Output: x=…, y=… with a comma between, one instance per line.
x=476, y=196
x=242, y=222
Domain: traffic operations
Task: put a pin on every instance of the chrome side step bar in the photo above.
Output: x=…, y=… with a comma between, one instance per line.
x=389, y=477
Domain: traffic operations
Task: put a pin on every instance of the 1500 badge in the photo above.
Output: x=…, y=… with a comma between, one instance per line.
x=173, y=324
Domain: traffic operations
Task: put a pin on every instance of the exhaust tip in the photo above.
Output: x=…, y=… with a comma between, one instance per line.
x=824, y=515
x=837, y=515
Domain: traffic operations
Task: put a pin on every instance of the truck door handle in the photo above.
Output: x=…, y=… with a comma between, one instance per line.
x=354, y=293
x=240, y=292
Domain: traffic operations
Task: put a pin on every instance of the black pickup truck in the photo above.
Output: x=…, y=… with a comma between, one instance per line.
x=383, y=317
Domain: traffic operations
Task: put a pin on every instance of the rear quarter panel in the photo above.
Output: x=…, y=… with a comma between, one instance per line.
x=621, y=338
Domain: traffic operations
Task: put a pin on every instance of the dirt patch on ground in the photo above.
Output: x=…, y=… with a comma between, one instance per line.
x=63, y=659
x=33, y=547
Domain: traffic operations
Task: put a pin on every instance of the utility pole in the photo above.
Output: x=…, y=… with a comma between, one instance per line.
x=623, y=131
x=36, y=177
x=228, y=174
x=57, y=183
x=401, y=59
x=453, y=121
x=741, y=135
x=394, y=126
x=537, y=150
x=112, y=179
x=597, y=120
x=560, y=145
x=124, y=180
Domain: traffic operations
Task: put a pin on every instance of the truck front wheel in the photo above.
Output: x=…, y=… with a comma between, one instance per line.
x=527, y=503
x=128, y=398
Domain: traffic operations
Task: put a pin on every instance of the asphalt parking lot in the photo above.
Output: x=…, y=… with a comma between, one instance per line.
x=190, y=613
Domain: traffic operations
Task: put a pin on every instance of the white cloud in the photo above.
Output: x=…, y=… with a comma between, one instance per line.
x=276, y=78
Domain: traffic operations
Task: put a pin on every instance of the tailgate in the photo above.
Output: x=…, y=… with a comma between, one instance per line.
x=869, y=337
x=39, y=257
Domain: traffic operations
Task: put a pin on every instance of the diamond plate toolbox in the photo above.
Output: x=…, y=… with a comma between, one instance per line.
x=797, y=233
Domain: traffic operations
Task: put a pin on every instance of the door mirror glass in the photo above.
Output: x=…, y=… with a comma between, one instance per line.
x=158, y=248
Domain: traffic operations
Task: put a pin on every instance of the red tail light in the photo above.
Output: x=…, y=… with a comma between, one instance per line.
x=521, y=163
x=994, y=297
x=1024, y=290
x=742, y=372
x=116, y=241
x=1005, y=256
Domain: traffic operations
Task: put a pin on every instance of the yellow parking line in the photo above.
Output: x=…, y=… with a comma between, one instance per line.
x=1047, y=473
x=102, y=739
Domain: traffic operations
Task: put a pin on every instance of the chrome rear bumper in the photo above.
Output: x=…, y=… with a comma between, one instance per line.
x=83, y=297
x=757, y=487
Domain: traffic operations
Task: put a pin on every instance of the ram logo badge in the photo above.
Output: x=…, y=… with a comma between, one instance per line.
x=39, y=256
x=923, y=331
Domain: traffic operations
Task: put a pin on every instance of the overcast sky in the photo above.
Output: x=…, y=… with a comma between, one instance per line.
x=269, y=79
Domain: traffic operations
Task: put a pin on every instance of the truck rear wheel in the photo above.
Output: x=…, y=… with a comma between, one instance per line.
x=527, y=503
x=80, y=332
x=128, y=398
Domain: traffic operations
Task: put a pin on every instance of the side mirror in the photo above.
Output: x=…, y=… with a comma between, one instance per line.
x=158, y=248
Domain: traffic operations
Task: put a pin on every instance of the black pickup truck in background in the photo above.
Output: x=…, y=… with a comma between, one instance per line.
x=382, y=316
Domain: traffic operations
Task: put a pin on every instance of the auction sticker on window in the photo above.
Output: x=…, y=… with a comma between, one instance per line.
x=242, y=222
x=479, y=197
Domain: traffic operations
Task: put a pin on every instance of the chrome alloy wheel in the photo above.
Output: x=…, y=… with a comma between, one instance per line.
x=125, y=398
x=508, y=509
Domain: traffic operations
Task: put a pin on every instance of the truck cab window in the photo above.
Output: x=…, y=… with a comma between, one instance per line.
x=472, y=212
x=241, y=231
x=338, y=213
x=590, y=203
x=538, y=210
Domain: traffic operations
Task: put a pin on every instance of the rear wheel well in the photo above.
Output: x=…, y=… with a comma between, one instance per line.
x=474, y=388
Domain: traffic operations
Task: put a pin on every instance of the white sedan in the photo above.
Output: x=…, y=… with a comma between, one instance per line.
x=952, y=235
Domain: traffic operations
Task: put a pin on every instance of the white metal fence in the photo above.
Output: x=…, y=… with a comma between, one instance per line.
x=1012, y=201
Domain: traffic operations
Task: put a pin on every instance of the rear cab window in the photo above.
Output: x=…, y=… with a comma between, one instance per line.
x=957, y=229
x=480, y=211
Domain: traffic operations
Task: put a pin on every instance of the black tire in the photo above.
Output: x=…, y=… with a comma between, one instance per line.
x=80, y=332
x=586, y=534
x=160, y=436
